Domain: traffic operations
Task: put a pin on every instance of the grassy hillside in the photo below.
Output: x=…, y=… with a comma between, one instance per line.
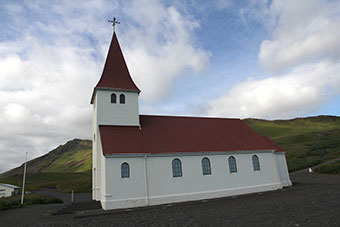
x=307, y=141
x=73, y=157
x=332, y=168
x=66, y=168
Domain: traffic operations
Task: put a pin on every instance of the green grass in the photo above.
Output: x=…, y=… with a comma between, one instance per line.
x=72, y=161
x=32, y=199
x=73, y=157
x=332, y=168
x=62, y=182
x=307, y=141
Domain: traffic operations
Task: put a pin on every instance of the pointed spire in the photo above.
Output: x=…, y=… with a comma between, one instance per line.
x=115, y=74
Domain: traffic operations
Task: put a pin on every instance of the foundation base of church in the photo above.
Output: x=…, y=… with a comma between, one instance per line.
x=185, y=197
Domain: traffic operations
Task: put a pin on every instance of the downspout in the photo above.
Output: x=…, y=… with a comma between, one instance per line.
x=146, y=181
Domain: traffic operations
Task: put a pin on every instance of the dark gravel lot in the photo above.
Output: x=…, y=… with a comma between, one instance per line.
x=314, y=200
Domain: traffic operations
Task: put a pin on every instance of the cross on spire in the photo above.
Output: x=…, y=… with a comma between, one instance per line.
x=114, y=22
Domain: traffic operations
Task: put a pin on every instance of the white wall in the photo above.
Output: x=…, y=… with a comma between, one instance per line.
x=107, y=113
x=99, y=170
x=96, y=154
x=94, y=151
x=115, y=113
x=125, y=192
x=193, y=185
x=282, y=169
x=6, y=191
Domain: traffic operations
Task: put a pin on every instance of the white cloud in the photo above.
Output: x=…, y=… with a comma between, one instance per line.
x=44, y=99
x=47, y=73
x=286, y=96
x=303, y=59
x=15, y=112
x=306, y=31
x=12, y=69
x=52, y=55
x=161, y=48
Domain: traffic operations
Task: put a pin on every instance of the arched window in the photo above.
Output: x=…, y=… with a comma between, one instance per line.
x=256, y=163
x=125, y=170
x=232, y=164
x=122, y=99
x=206, y=166
x=176, y=168
x=113, y=98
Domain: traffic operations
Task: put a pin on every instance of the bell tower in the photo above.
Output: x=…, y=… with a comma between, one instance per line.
x=115, y=97
x=115, y=103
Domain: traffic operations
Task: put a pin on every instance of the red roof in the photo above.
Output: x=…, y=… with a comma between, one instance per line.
x=163, y=134
x=115, y=74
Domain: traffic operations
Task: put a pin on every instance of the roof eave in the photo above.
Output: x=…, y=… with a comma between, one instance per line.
x=190, y=153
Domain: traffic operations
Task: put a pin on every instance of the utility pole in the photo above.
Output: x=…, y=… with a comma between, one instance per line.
x=23, y=181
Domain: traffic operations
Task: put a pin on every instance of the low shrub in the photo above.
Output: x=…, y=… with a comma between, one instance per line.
x=61, y=182
x=297, y=164
x=332, y=168
x=15, y=201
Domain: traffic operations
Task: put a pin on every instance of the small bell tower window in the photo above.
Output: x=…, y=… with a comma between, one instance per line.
x=113, y=98
x=122, y=99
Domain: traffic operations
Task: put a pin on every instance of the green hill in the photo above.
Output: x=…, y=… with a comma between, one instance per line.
x=66, y=168
x=73, y=157
x=307, y=141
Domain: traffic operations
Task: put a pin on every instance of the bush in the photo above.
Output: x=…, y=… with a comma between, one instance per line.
x=15, y=201
x=332, y=168
x=62, y=182
x=297, y=164
x=6, y=203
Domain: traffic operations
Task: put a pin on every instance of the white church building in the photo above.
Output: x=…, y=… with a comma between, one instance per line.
x=142, y=160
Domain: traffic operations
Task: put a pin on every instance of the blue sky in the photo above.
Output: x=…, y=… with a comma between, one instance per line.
x=224, y=58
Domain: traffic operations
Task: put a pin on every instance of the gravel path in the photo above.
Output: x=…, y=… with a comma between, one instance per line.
x=314, y=200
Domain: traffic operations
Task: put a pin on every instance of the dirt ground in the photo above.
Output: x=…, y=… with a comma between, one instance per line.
x=313, y=200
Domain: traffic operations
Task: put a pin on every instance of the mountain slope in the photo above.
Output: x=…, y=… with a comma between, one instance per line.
x=73, y=157
x=66, y=168
x=307, y=141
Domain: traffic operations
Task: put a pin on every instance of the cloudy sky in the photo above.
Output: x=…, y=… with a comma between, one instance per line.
x=226, y=58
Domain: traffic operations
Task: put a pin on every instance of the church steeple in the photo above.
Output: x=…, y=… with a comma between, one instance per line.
x=115, y=97
x=115, y=75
